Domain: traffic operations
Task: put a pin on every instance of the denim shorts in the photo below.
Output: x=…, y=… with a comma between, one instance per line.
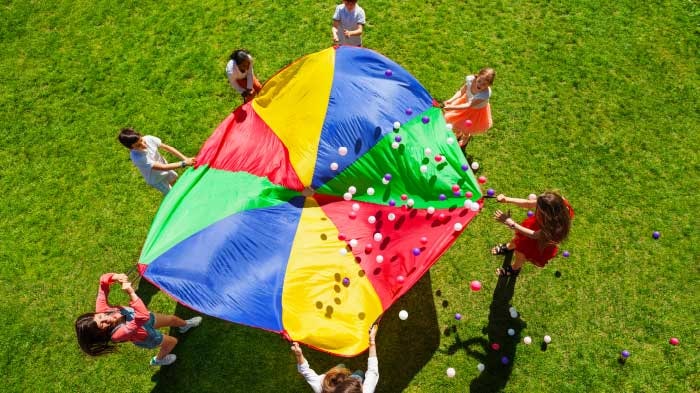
x=155, y=337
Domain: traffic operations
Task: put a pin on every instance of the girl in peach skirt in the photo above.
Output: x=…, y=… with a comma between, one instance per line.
x=468, y=111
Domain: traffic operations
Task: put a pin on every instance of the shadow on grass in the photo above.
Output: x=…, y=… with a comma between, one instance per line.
x=499, y=363
x=221, y=356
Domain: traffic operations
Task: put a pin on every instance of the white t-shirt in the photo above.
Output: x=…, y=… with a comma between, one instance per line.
x=144, y=160
x=349, y=21
x=482, y=95
x=233, y=73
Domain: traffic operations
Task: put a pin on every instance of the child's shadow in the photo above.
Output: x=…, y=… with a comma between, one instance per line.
x=499, y=363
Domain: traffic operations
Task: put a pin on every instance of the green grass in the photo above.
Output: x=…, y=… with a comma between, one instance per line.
x=598, y=99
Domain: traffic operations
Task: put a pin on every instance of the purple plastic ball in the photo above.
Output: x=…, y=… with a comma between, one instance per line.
x=442, y=197
x=465, y=167
x=392, y=202
x=505, y=360
x=388, y=73
x=425, y=120
x=387, y=177
x=397, y=138
x=409, y=111
x=346, y=281
x=530, y=213
x=416, y=251
x=490, y=192
x=565, y=254
x=625, y=354
x=458, y=316
x=457, y=193
x=656, y=235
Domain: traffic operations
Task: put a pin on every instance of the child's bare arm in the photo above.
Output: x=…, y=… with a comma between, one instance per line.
x=510, y=223
x=523, y=203
x=175, y=165
x=173, y=151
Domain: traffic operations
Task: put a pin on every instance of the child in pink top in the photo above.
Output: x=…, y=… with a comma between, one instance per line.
x=135, y=323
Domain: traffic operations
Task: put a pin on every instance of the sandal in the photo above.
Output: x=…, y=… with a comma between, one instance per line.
x=508, y=271
x=500, y=249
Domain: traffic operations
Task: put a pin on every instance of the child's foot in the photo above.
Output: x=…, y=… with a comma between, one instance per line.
x=501, y=272
x=192, y=322
x=166, y=361
x=500, y=249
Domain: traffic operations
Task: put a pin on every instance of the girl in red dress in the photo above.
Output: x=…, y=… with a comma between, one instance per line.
x=537, y=237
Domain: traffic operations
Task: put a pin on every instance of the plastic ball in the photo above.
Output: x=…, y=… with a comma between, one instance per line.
x=448, y=126
x=468, y=123
x=377, y=237
x=379, y=259
x=458, y=316
x=370, y=191
x=343, y=251
x=416, y=251
x=334, y=166
x=353, y=242
x=527, y=340
x=352, y=215
x=490, y=192
x=451, y=372
x=371, y=219
x=410, y=202
x=495, y=346
x=409, y=111
x=475, y=166
x=441, y=216
x=442, y=197
x=425, y=120
x=512, y=310
x=346, y=281
x=438, y=158
x=674, y=341
x=656, y=235
x=482, y=179
x=385, y=181
x=565, y=254
x=400, y=279
x=391, y=216
x=475, y=207
x=457, y=193
x=530, y=213
x=368, y=248
x=423, y=168
x=514, y=314
x=427, y=151
x=388, y=73
x=457, y=227
x=347, y=196
x=395, y=145
x=505, y=360
x=397, y=138
x=404, y=197
x=455, y=187
x=397, y=125
x=532, y=197
x=467, y=204
x=352, y=190
x=387, y=176
x=465, y=167
x=392, y=202
x=355, y=206
x=342, y=150
x=547, y=339
x=511, y=332
x=468, y=194
x=475, y=285
x=403, y=315
x=625, y=354
x=423, y=240
x=431, y=210
x=341, y=236
x=450, y=140
x=480, y=367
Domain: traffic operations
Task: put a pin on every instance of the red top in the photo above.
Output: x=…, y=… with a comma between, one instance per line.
x=530, y=247
x=131, y=330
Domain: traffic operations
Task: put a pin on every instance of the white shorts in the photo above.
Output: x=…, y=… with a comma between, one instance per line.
x=164, y=186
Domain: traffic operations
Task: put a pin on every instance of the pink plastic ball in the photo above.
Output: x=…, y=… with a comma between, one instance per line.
x=424, y=240
x=468, y=194
x=400, y=279
x=674, y=341
x=482, y=179
x=341, y=236
x=438, y=158
x=352, y=214
x=475, y=285
x=495, y=346
x=404, y=197
x=468, y=123
x=455, y=187
x=441, y=216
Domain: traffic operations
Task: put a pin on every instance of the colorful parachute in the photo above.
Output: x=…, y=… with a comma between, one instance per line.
x=240, y=239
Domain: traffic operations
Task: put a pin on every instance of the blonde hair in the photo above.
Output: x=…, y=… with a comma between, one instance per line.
x=334, y=377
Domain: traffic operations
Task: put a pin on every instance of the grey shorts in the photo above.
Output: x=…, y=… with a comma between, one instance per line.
x=164, y=186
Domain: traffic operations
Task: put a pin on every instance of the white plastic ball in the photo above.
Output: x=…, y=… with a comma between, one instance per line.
x=423, y=168
x=370, y=191
x=391, y=216
x=428, y=152
x=448, y=126
x=379, y=259
x=431, y=210
x=547, y=339
x=355, y=206
x=343, y=251
x=451, y=372
x=352, y=190
x=480, y=367
x=458, y=227
x=397, y=125
x=514, y=315
x=377, y=237
x=527, y=340
x=334, y=166
x=450, y=140
x=342, y=150
x=403, y=315
x=347, y=196
x=410, y=202
x=532, y=197
x=385, y=181
x=353, y=242
x=467, y=204
x=395, y=145
x=371, y=219
x=475, y=165
x=474, y=207
x=511, y=332
x=512, y=310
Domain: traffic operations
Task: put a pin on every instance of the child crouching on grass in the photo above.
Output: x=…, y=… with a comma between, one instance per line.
x=111, y=324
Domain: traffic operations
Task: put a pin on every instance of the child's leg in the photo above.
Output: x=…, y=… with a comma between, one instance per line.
x=166, y=346
x=163, y=320
x=518, y=262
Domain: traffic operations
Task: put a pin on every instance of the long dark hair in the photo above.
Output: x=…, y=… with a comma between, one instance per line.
x=92, y=340
x=240, y=55
x=553, y=217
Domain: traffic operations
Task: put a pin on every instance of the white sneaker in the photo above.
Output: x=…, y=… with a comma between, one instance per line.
x=192, y=322
x=166, y=361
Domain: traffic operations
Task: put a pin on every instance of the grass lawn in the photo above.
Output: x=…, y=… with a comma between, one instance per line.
x=597, y=99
